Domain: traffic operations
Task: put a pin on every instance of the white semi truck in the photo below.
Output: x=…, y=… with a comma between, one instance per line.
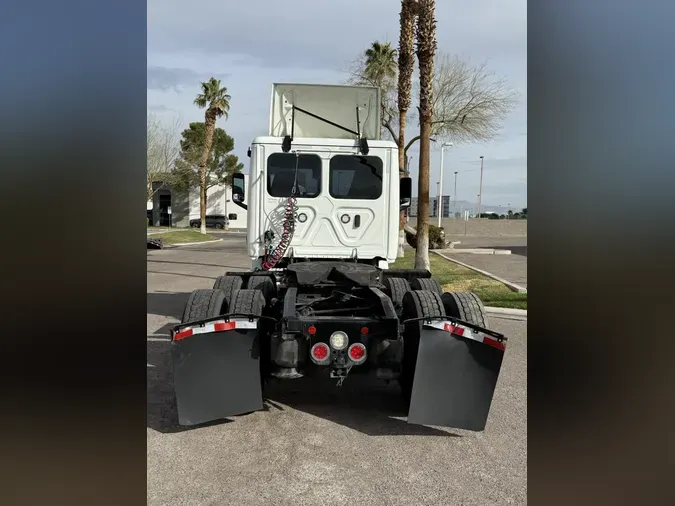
x=324, y=195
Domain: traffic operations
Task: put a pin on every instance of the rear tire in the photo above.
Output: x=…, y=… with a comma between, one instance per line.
x=253, y=302
x=265, y=285
x=466, y=306
x=416, y=304
x=202, y=304
x=248, y=302
x=228, y=285
x=427, y=284
x=397, y=288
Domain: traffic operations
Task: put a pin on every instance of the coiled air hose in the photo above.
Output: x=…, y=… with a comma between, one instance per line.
x=272, y=259
x=277, y=253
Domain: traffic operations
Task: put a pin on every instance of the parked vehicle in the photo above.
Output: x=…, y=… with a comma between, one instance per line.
x=320, y=297
x=219, y=221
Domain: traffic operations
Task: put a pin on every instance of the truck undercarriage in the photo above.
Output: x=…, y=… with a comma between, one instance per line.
x=337, y=319
x=330, y=192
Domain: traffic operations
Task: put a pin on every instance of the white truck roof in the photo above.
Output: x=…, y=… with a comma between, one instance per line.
x=324, y=142
x=335, y=103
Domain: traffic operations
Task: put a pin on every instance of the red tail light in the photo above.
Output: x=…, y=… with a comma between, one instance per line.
x=357, y=353
x=320, y=353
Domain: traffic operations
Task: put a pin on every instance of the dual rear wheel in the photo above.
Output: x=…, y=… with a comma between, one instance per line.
x=465, y=306
x=229, y=285
x=422, y=298
x=227, y=297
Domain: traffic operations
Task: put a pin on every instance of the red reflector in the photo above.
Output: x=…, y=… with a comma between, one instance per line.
x=311, y=330
x=454, y=330
x=356, y=352
x=182, y=334
x=320, y=352
x=364, y=331
x=224, y=326
x=494, y=343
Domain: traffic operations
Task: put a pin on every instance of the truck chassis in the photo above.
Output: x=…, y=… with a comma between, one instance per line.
x=335, y=318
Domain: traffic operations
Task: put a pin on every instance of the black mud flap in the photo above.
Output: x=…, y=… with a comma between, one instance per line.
x=217, y=373
x=455, y=378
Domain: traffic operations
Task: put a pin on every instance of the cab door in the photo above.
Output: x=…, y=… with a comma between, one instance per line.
x=355, y=194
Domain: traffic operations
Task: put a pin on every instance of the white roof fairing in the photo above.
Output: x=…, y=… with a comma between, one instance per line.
x=335, y=103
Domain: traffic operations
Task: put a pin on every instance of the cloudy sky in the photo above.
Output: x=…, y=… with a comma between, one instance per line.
x=250, y=45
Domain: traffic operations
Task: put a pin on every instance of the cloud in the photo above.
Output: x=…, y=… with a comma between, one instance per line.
x=160, y=108
x=327, y=34
x=255, y=43
x=163, y=78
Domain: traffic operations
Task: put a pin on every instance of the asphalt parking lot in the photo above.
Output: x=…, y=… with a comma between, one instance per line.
x=314, y=443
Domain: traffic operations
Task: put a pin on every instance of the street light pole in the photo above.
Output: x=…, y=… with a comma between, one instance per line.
x=454, y=198
x=440, y=184
x=480, y=191
x=438, y=193
x=440, y=188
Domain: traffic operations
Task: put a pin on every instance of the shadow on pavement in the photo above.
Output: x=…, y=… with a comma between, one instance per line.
x=362, y=404
x=167, y=304
x=164, y=331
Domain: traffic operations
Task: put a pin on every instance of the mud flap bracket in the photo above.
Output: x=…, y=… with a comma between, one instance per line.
x=455, y=376
x=216, y=369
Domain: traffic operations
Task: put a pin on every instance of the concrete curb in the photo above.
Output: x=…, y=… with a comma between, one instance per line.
x=511, y=286
x=506, y=311
x=191, y=243
x=481, y=251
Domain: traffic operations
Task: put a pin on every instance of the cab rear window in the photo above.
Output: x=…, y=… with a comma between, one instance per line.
x=281, y=175
x=356, y=177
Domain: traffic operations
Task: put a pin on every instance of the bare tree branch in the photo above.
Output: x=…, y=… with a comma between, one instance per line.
x=469, y=103
x=163, y=149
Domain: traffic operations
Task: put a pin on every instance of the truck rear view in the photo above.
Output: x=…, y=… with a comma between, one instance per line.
x=324, y=196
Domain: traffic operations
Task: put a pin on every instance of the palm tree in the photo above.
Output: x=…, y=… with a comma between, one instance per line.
x=426, y=51
x=380, y=63
x=379, y=69
x=406, y=64
x=217, y=103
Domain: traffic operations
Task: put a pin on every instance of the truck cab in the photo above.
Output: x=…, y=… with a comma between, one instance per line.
x=343, y=179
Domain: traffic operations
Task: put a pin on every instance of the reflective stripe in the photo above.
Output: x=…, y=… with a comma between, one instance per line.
x=460, y=330
x=215, y=326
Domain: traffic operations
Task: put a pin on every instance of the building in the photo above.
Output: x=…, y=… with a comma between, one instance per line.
x=167, y=209
x=433, y=207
